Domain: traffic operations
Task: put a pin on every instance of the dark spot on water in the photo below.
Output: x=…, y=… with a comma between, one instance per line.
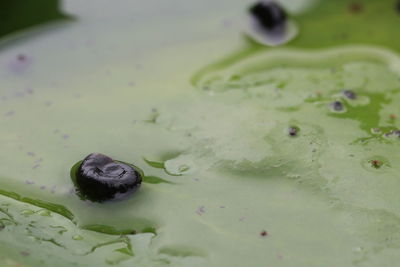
x=43, y=187
x=99, y=178
x=356, y=8
x=200, y=210
x=269, y=15
x=29, y=91
x=20, y=63
x=65, y=136
x=9, y=113
x=25, y=253
x=21, y=58
x=264, y=233
x=376, y=130
x=397, y=7
x=376, y=163
x=337, y=106
x=293, y=131
x=349, y=94
x=31, y=154
x=19, y=94
x=29, y=182
x=36, y=166
x=222, y=207
x=392, y=132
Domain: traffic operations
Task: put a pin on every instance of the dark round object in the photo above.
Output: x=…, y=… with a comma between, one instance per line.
x=337, y=106
x=398, y=6
x=269, y=14
x=100, y=178
x=349, y=94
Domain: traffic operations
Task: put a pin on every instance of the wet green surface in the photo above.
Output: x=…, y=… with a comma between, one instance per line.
x=205, y=113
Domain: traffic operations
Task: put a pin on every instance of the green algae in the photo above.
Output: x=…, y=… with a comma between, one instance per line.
x=237, y=171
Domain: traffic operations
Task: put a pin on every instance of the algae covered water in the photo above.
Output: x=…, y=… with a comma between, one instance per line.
x=251, y=155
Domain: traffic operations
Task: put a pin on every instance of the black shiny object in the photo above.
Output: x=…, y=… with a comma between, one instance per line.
x=337, y=106
x=99, y=178
x=349, y=94
x=269, y=14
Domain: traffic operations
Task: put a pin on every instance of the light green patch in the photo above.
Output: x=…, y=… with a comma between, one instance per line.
x=220, y=165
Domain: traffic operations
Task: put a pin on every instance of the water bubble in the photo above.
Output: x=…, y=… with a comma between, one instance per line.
x=27, y=212
x=376, y=130
x=45, y=213
x=77, y=237
x=180, y=165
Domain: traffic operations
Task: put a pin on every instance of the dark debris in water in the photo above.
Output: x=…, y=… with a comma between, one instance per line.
x=264, y=233
x=356, y=8
x=349, y=94
x=397, y=7
x=270, y=15
x=293, y=131
x=376, y=163
x=99, y=178
x=200, y=210
x=25, y=253
x=337, y=106
x=9, y=113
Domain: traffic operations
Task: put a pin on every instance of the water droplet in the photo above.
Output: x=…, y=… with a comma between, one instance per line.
x=183, y=168
x=27, y=212
x=45, y=213
x=180, y=165
x=77, y=237
x=376, y=130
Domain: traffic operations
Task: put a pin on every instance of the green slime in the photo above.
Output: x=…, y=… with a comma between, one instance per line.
x=221, y=167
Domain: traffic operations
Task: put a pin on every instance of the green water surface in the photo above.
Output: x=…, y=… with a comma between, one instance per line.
x=178, y=89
